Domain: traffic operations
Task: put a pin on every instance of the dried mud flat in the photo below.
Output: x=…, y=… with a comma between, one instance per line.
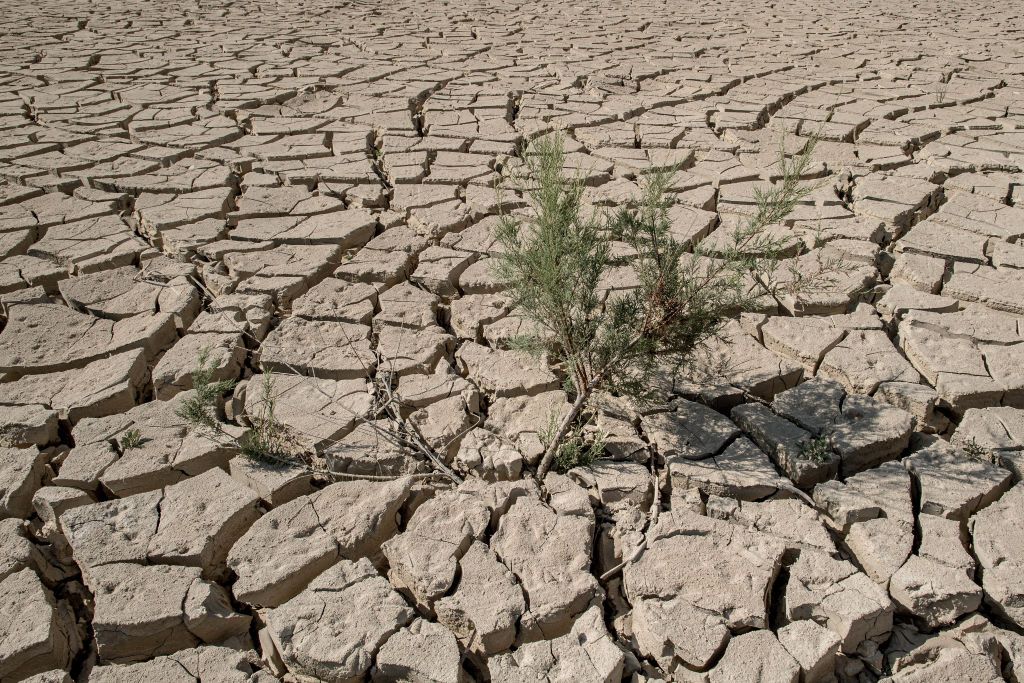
x=306, y=188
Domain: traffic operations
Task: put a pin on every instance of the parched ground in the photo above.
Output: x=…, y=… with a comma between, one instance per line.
x=306, y=190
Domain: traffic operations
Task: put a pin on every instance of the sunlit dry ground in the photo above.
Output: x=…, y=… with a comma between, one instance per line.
x=304, y=192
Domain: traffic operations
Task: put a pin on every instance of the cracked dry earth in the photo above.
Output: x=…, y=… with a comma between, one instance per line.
x=305, y=188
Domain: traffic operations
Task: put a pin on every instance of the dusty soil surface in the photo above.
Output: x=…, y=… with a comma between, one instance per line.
x=306, y=191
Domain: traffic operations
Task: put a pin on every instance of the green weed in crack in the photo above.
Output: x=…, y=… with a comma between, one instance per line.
x=131, y=439
x=199, y=411
x=976, y=451
x=267, y=438
x=578, y=448
x=816, y=450
x=267, y=441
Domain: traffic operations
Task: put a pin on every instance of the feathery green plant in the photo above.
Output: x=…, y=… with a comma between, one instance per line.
x=199, y=410
x=975, y=450
x=556, y=257
x=266, y=440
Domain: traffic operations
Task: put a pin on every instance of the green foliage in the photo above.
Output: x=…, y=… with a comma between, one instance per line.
x=554, y=260
x=575, y=450
x=557, y=260
x=199, y=410
x=976, y=451
x=267, y=440
x=132, y=438
x=816, y=450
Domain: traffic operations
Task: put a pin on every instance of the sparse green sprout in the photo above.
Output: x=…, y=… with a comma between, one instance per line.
x=817, y=450
x=132, y=438
x=818, y=239
x=975, y=450
x=199, y=410
x=576, y=449
x=267, y=441
x=558, y=259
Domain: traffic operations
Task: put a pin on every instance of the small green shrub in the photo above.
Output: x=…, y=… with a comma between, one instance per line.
x=557, y=258
x=817, y=450
x=132, y=438
x=267, y=441
x=576, y=449
x=199, y=411
x=975, y=450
